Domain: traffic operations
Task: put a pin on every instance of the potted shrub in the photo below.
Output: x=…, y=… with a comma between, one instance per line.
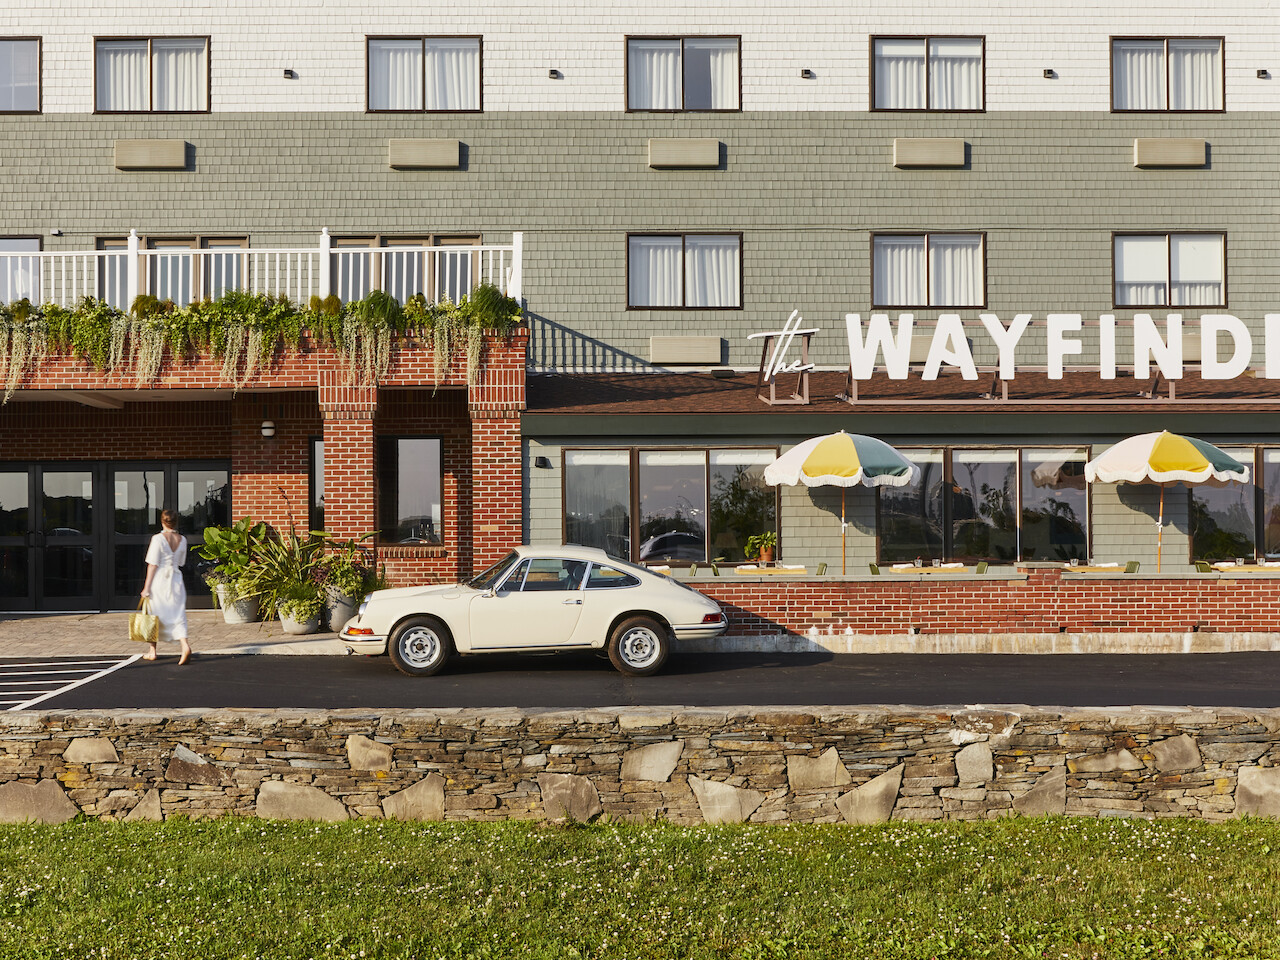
x=300, y=610
x=344, y=578
x=762, y=546
x=232, y=551
x=283, y=569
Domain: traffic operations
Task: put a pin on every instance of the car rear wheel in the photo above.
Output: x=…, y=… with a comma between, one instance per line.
x=420, y=646
x=639, y=646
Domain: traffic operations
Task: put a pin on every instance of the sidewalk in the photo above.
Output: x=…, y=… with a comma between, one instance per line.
x=107, y=634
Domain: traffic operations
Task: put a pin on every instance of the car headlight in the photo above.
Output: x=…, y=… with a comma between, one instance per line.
x=364, y=605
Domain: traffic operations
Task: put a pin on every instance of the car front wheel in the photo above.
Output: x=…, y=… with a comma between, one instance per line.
x=638, y=646
x=420, y=646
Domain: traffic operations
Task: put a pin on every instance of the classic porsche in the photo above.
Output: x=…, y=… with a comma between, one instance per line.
x=537, y=599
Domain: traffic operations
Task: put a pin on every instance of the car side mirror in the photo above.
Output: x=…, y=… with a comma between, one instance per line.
x=491, y=592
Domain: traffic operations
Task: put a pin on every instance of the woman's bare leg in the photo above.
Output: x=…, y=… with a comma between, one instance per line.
x=150, y=654
x=186, y=651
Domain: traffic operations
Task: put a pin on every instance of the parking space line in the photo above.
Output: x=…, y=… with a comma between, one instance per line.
x=115, y=665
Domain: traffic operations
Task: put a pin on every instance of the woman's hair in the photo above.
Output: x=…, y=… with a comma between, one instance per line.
x=169, y=518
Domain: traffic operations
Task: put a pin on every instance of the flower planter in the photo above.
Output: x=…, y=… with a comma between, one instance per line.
x=299, y=627
x=244, y=610
x=338, y=609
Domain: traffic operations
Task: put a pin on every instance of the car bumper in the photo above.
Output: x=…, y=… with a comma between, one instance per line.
x=700, y=631
x=363, y=643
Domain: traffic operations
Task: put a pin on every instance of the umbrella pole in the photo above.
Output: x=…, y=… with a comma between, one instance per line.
x=843, y=572
x=1160, y=530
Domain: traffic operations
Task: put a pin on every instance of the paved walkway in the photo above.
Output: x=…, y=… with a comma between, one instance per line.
x=99, y=634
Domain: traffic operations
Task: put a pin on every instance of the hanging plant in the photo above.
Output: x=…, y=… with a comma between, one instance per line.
x=366, y=336
x=24, y=341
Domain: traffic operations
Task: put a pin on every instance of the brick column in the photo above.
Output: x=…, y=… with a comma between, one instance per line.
x=495, y=403
x=350, y=480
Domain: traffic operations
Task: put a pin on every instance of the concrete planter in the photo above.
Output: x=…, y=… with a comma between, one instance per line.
x=338, y=609
x=298, y=627
x=244, y=610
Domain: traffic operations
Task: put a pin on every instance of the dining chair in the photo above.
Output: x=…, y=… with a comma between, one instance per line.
x=875, y=569
x=1203, y=566
x=982, y=567
x=693, y=570
x=1132, y=566
x=822, y=569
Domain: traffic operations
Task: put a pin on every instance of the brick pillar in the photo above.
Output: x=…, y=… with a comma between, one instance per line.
x=350, y=481
x=495, y=403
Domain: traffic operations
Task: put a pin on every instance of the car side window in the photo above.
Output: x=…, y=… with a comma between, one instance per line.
x=551, y=575
x=605, y=577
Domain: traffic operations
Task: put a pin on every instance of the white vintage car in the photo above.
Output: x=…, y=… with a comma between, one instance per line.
x=537, y=599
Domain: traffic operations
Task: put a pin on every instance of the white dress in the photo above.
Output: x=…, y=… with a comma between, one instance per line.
x=168, y=592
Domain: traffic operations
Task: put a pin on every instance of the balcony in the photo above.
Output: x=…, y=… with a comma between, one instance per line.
x=118, y=275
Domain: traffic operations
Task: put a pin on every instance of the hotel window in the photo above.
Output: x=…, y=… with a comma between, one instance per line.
x=928, y=73
x=161, y=75
x=315, y=488
x=19, y=75
x=424, y=74
x=181, y=270
x=1223, y=519
x=1156, y=74
x=929, y=270
x=682, y=506
x=409, y=475
x=998, y=505
x=441, y=268
x=20, y=269
x=684, y=271
x=1174, y=269
x=683, y=73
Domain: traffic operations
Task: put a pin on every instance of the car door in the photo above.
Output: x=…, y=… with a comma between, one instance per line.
x=538, y=605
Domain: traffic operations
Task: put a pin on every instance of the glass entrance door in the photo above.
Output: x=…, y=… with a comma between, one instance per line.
x=17, y=579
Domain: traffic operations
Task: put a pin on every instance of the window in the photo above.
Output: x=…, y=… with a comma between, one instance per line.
x=607, y=578
x=674, y=505
x=1223, y=519
x=315, y=491
x=181, y=270
x=1175, y=74
x=19, y=75
x=685, y=271
x=541, y=575
x=928, y=73
x=162, y=75
x=683, y=73
x=998, y=505
x=1177, y=269
x=19, y=269
x=929, y=270
x=405, y=266
x=424, y=74
x=409, y=485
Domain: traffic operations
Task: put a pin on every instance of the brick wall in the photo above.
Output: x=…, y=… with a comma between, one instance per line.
x=60, y=430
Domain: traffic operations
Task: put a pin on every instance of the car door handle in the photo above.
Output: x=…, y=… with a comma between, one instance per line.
x=570, y=601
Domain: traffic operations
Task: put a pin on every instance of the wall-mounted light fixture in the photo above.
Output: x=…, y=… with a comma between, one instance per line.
x=554, y=74
x=1048, y=73
x=1263, y=75
x=806, y=74
x=542, y=463
x=268, y=429
x=55, y=232
x=290, y=74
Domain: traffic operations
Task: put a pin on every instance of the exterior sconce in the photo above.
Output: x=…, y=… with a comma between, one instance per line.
x=1048, y=73
x=542, y=463
x=554, y=74
x=806, y=74
x=1263, y=75
x=289, y=74
x=268, y=429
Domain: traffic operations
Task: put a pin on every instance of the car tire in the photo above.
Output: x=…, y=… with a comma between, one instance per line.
x=639, y=646
x=420, y=646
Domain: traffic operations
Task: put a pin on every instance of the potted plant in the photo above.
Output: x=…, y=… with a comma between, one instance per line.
x=761, y=546
x=231, y=550
x=283, y=569
x=344, y=578
x=300, y=609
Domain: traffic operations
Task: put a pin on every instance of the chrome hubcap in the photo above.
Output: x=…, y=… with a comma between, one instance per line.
x=420, y=647
x=640, y=647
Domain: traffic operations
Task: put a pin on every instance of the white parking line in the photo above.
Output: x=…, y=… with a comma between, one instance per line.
x=104, y=667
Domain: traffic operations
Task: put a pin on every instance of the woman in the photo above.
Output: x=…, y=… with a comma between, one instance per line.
x=164, y=586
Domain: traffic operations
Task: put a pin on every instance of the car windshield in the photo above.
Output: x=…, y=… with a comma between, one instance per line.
x=494, y=574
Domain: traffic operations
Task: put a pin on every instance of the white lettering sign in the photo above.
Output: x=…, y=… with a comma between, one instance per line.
x=777, y=360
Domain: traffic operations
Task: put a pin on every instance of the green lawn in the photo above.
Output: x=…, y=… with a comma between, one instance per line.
x=1060, y=888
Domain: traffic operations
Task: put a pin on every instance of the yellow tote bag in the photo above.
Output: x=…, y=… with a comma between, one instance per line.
x=144, y=626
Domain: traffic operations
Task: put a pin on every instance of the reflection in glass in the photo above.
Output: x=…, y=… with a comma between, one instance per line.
x=597, y=499
x=14, y=501
x=409, y=489
x=14, y=583
x=1054, y=504
x=67, y=503
x=984, y=497
x=1271, y=503
x=139, y=498
x=911, y=517
x=1223, y=517
x=741, y=503
x=130, y=569
x=673, y=505
x=204, y=500
x=68, y=571
x=315, y=512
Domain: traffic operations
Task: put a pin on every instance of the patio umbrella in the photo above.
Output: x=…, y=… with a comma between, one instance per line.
x=1164, y=458
x=842, y=460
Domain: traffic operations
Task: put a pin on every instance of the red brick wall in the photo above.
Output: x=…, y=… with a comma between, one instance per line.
x=269, y=476
x=1046, y=602
x=59, y=430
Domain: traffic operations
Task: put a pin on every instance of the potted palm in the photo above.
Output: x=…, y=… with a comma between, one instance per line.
x=232, y=550
x=761, y=546
x=344, y=578
x=283, y=574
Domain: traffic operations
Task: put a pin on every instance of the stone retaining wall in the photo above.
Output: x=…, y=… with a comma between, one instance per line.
x=714, y=765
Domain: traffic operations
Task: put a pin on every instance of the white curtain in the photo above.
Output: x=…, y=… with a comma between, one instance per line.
x=710, y=74
x=955, y=271
x=655, y=273
x=1196, y=263
x=122, y=75
x=955, y=74
x=453, y=273
x=453, y=74
x=1142, y=271
x=395, y=74
x=900, y=77
x=898, y=272
x=178, y=74
x=19, y=274
x=653, y=74
x=712, y=271
x=19, y=75
x=1195, y=75
x=1138, y=75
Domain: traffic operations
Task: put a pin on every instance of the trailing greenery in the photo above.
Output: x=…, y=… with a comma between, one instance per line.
x=246, y=332
x=1074, y=888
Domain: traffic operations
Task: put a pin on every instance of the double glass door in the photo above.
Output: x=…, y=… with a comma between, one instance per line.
x=74, y=536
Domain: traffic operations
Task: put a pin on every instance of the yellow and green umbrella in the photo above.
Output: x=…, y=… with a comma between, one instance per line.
x=842, y=460
x=1164, y=458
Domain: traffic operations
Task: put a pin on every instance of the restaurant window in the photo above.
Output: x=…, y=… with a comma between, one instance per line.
x=424, y=74
x=159, y=75
x=409, y=490
x=1054, y=505
x=984, y=497
x=928, y=73
x=684, y=271
x=315, y=486
x=1223, y=519
x=19, y=269
x=681, y=506
x=911, y=518
x=1174, y=74
x=1270, y=470
x=928, y=270
x=683, y=73
x=19, y=75
x=1174, y=269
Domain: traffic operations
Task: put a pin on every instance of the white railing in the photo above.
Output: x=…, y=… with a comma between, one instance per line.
x=119, y=274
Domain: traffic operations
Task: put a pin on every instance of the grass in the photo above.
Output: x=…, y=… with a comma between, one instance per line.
x=1058, y=887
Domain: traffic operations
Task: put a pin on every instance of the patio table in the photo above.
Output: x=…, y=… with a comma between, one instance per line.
x=769, y=571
